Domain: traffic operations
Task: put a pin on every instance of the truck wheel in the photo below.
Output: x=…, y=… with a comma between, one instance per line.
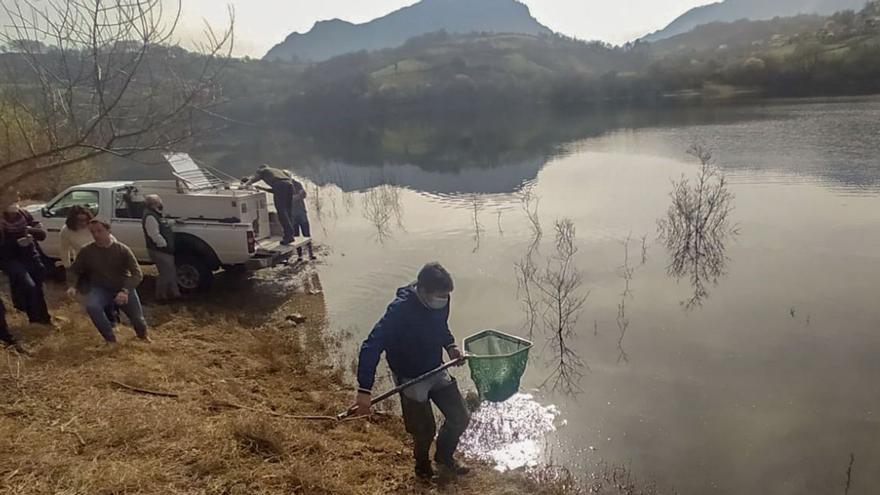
x=193, y=274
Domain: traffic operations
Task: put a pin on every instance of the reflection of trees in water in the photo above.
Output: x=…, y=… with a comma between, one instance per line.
x=552, y=297
x=382, y=207
x=526, y=269
x=696, y=228
x=627, y=273
x=476, y=207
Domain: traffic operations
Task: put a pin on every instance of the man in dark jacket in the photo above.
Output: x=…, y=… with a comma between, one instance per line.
x=282, y=194
x=160, y=246
x=21, y=261
x=413, y=334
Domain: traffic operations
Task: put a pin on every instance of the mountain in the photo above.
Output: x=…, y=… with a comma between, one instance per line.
x=733, y=10
x=328, y=39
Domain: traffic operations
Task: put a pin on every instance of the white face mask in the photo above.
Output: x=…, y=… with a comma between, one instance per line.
x=435, y=302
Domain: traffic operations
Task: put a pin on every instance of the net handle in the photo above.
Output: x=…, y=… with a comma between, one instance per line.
x=403, y=386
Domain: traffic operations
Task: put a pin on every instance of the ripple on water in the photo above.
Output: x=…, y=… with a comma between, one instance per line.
x=512, y=433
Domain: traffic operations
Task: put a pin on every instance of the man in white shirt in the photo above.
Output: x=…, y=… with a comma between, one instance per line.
x=160, y=245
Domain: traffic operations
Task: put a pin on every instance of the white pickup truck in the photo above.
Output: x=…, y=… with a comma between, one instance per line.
x=217, y=225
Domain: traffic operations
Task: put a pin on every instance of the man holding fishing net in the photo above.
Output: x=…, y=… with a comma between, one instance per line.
x=413, y=334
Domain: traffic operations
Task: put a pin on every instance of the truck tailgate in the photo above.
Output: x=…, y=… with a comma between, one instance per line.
x=270, y=252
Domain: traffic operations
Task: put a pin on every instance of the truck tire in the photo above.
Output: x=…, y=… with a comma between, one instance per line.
x=193, y=274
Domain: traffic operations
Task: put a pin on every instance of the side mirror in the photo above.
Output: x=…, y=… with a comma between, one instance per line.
x=45, y=212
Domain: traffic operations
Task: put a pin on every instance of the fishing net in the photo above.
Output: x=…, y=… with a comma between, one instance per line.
x=497, y=362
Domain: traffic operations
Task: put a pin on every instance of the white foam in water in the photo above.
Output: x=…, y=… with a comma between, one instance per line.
x=511, y=434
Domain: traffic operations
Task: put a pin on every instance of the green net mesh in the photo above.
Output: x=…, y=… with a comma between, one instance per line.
x=497, y=362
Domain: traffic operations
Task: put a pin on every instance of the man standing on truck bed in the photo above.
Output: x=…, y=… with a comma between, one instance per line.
x=114, y=275
x=282, y=193
x=301, y=218
x=160, y=246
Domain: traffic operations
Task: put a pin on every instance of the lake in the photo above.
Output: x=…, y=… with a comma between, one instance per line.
x=766, y=383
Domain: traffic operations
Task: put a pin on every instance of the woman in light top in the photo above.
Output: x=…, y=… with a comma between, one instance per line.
x=75, y=234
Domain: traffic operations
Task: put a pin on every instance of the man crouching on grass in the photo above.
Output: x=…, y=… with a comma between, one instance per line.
x=413, y=334
x=113, y=274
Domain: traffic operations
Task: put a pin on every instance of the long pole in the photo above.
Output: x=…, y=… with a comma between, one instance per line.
x=403, y=386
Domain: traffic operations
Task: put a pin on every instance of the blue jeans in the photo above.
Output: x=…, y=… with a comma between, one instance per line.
x=26, y=281
x=98, y=300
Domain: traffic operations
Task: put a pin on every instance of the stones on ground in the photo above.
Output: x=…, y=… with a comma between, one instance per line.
x=296, y=318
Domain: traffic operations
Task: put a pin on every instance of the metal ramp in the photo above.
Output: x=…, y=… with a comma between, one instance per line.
x=193, y=176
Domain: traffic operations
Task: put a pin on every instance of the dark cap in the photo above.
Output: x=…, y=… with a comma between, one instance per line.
x=433, y=278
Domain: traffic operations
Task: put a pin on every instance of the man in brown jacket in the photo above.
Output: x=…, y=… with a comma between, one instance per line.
x=114, y=275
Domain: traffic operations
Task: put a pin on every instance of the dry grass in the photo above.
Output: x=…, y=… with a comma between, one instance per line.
x=64, y=429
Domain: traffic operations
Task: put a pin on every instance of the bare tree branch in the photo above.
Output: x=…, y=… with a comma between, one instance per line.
x=84, y=78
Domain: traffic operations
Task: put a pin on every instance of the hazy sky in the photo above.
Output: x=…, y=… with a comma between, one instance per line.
x=260, y=24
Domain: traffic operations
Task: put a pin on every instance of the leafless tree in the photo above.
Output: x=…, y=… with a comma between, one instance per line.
x=627, y=272
x=529, y=202
x=100, y=77
x=526, y=271
x=852, y=460
x=382, y=207
x=526, y=268
x=561, y=286
x=476, y=208
x=696, y=227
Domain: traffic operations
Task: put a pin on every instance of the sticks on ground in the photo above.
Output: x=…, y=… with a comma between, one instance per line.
x=144, y=391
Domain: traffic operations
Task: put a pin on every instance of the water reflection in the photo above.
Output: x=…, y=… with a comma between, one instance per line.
x=510, y=434
x=382, y=207
x=696, y=228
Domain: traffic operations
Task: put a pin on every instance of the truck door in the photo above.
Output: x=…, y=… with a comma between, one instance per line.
x=55, y=213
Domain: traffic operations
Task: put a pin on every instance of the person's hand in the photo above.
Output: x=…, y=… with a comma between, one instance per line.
x=26, y=240
x=121, y=298
x=455, y=354
x=363, y=404
x=71, y=292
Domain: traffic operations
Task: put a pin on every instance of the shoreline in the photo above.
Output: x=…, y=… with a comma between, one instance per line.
x=66, y=424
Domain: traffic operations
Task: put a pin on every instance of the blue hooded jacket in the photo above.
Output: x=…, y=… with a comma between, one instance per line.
x=412, y=336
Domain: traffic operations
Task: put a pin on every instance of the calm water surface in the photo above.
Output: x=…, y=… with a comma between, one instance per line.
x=768, y=387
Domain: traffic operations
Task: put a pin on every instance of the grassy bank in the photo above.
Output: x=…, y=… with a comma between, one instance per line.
x=66, y=427
x=230, y=368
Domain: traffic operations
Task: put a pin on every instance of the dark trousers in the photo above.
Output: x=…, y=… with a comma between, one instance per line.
x=282, y=193
x=26, y=279
x=419, y=420
x=302, y=227
x=5, y=336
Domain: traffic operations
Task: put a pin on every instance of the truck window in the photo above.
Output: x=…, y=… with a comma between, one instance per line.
x=62, y=207
x=125, y=206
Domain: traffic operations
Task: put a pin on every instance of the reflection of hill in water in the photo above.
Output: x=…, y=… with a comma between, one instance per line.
x=484, y=180
x=834, y=142
x=486, y=154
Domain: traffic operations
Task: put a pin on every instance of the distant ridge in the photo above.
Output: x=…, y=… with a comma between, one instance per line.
x=328, y=39
x=756, y=10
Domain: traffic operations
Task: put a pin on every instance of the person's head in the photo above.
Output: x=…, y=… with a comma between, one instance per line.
x=153, y=202
x=434, y=284
x=10, y=203
x=78, y=218
x=100, y=231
